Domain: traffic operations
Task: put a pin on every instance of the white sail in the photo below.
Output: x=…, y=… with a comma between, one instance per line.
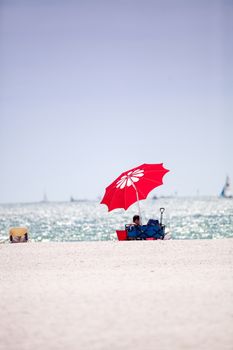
x=226, y=191
x=45, y=198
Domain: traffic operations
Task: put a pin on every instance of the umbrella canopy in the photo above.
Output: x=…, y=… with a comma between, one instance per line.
x=133, y=185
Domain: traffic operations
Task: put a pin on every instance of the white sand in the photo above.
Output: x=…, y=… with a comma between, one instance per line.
x=117, y=295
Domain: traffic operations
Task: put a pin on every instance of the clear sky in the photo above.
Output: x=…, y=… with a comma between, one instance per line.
x=92, y=88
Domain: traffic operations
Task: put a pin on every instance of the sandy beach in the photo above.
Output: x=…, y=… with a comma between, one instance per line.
x=117, y=295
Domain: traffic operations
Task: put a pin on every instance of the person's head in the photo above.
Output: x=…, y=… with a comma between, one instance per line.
x=137, y=220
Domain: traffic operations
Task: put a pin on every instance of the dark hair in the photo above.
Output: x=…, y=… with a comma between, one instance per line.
x=136, y=217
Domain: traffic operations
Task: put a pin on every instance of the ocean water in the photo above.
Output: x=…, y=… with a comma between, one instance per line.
x=185, y=218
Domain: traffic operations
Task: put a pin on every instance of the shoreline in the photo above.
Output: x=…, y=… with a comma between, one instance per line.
x=175, y=294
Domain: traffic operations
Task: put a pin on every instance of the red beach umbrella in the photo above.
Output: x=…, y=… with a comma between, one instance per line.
x=133, y=185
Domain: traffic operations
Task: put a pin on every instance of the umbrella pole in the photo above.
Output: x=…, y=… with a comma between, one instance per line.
x=139, y=209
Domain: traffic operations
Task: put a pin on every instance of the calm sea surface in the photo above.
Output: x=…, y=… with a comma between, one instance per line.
x=185, y=218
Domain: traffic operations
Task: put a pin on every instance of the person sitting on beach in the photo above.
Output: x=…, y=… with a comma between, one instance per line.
x=134, y=229
x=136, y=220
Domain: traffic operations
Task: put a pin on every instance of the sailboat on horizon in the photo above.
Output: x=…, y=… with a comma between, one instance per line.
x=45, y=198
x=227, y=191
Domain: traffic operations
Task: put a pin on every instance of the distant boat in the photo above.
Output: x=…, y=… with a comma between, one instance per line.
x=154, y=197
x=45, y=198
x=72, y=199
x=226, y=191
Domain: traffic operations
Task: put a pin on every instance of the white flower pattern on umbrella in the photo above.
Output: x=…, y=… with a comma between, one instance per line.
x=130, y=178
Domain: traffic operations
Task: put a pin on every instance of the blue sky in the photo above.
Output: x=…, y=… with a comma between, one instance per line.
x=92, y=88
